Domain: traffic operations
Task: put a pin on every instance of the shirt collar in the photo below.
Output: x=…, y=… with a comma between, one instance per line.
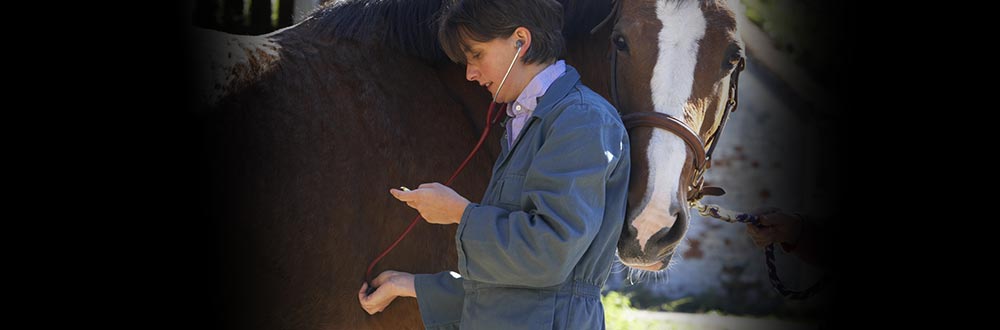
x=528, y=100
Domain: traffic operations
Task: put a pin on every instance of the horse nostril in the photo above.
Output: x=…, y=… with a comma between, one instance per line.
x=676, y=232
x=680, y=218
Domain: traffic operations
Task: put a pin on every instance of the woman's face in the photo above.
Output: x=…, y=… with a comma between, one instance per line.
x=487, y=62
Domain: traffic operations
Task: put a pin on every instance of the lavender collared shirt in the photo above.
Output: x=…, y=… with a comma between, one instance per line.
x=524, y=106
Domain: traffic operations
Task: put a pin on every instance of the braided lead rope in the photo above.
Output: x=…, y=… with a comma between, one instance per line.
x=718, y=212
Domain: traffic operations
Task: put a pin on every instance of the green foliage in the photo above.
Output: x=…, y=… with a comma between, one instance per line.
x=789, y=23
x=616, y=306
x=809, y=31
x=620, y=313
x=617, y=313
x=671, y=306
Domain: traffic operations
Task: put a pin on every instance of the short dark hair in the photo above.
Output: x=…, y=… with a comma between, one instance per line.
x=485, y=20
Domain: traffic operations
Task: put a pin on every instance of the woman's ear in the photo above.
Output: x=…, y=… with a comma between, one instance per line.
x=523, y=36
x=523, y=40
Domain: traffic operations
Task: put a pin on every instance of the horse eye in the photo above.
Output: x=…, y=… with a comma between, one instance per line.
x=735, y=55
x=732, y=62
x=620, y=43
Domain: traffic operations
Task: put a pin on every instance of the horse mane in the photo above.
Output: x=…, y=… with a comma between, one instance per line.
x=391, y=22
x=582, y=16
x=385, y=22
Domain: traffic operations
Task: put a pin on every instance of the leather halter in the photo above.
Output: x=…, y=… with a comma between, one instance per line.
x=701, y=158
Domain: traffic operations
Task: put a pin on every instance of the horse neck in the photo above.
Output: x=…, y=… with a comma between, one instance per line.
x=594, y=66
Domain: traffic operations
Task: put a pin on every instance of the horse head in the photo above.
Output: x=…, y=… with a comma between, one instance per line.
x=674, y=67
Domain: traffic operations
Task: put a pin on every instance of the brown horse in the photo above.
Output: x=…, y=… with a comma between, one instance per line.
x=308, y=127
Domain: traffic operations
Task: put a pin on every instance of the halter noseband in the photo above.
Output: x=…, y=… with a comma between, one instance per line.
x=701, y=158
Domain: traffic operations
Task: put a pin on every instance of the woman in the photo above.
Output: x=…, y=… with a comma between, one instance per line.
x=535, y=252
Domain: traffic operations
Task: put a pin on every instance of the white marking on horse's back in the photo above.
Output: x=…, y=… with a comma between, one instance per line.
x=673, y=77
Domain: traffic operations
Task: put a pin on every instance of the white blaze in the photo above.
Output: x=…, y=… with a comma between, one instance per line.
x=673, y=76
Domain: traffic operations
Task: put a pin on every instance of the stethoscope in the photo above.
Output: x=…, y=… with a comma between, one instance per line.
x=519, y=44
x=491, y=119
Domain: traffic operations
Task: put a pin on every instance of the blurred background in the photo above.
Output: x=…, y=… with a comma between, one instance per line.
x=779, y=149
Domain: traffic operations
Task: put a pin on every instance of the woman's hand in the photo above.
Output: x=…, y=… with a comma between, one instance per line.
x=390, y=284
x=776, y=227
x=436, y=203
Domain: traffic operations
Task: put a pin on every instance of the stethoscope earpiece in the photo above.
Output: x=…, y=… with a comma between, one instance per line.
x=519, y=44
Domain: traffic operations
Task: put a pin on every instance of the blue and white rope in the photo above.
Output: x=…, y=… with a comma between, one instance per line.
x=718, y=212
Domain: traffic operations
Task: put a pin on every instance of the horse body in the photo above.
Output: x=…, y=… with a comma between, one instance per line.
x=307, y=128
x=305, y=154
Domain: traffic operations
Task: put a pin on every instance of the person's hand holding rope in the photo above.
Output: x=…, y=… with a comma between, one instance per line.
x=776, y=227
